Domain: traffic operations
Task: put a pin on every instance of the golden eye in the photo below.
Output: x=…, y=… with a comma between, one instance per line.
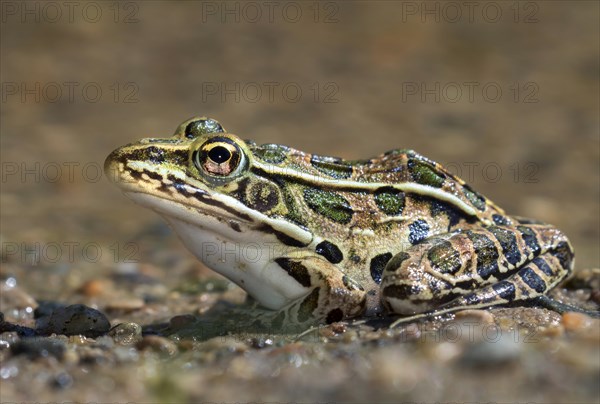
x=218, y=156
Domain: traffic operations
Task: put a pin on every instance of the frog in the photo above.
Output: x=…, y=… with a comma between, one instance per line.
x=317, y=239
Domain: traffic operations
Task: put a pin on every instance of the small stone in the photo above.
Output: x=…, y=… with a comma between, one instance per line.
x=35, y=348
x=260, y=342
x=182, y=321
x=62, y=381
x=338, y=328
x=15, y=298
x=125, y=305
x=126, y=333
x=482, y=317
x=552, y=331
x=491, y=353
x=573, y=321
x=46, y=308
x=76, y=319
x=158, y=344
x=94, y=287
x=126, y=354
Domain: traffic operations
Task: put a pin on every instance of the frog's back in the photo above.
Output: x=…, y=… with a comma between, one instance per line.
x=398, y=170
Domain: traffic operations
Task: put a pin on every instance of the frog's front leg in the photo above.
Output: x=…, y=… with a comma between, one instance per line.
x=476, y=267
x=330, y=294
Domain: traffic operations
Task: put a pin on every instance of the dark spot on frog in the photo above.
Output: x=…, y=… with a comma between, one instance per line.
x=330, y=251
x=396, y=261
x=378, y=263
x=530, y=239
x=425, y=173
x=295, y=269
x=486, y=252
x=261, y=196
x=501, y=220
x=153, y=154
x=235, y=226
x=444, y=257
x=329, y=204
x=401, y=292
x=506, y=290
x=153, y=175
x=136, y=174
x=543, y=266
x=476, y=199
x=390, y=200
x=418, y=231
x=564, y=254
x=508, y=242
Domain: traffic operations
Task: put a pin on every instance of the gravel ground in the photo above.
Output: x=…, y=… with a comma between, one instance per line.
x=101, y=302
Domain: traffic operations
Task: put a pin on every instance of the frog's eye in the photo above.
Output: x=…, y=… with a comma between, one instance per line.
x=219, y=156
x=201, y=127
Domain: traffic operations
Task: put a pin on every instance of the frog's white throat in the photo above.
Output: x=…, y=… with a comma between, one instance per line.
x=240, y=253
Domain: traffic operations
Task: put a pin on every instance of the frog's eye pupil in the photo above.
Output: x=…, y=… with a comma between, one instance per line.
x=219, y=157
x=219, y=154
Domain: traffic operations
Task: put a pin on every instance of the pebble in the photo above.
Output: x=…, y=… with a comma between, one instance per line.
x=94, y=287
x=12, y=297
x=491, y=353
x=76, y=319
x=46, y=307
x=182, y=321
x=35, y=348
x=125, y=305
x=158, y=344
x=62, y=380
x=573, y=321
x=260, y=342
x=482, y=316
x=126, y=333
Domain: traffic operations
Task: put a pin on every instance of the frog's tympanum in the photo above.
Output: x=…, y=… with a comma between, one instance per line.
x=320, y=239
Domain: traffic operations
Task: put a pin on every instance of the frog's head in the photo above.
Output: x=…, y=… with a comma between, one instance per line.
x=209, y=186
x=201, y=167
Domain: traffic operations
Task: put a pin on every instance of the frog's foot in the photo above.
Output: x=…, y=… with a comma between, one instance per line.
x=330, y=295
x=477, y=268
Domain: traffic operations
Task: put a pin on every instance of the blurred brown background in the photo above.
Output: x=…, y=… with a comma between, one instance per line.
x=372, y=77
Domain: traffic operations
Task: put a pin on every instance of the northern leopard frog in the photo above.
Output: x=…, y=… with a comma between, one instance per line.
x=320, y=239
